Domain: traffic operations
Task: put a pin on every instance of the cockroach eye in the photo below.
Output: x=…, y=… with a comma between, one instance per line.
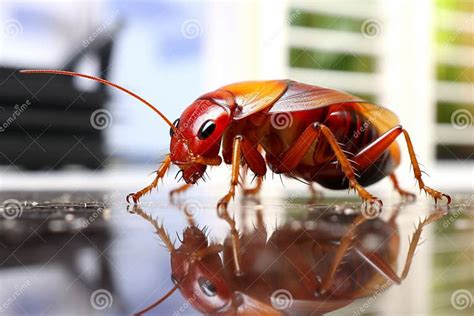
x=175, y=123
x=207, y=128
x=207, y=287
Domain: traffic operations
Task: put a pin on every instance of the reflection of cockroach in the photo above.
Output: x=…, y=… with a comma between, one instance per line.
x=307, y=132
x=316, y=266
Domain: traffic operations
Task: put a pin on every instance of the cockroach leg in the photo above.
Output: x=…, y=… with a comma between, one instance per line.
x=372, y=152
x=346, y=165
x=224, y=214
x=381, y=265
x=416, y=169
x=178, y=190
x=234, y=181
x=341, y=250
x=160, y=231
x=255, y=190
x=160, y=173
x=405, y=194
x=223, y=202
x=315, y=194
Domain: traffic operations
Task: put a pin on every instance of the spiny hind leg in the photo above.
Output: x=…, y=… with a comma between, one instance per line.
x=373, y=151
x=374, y=259
x=292, y=157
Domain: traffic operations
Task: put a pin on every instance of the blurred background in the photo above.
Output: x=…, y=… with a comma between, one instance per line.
x=415, y=58
x=61, y=134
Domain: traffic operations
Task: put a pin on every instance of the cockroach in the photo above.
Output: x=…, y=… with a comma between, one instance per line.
x=307, y=132
x=324, y=262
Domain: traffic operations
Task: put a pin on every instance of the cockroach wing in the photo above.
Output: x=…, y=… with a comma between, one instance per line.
x=254, y=96
x=381, y=118
x=304, y=97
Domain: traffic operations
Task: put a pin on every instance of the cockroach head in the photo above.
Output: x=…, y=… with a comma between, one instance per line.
x=196, y=138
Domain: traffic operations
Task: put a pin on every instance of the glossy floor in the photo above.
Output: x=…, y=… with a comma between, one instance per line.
x=81, y=253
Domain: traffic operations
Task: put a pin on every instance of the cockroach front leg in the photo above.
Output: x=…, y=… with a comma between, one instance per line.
x=160, y=173
x=234, y=180
x=159, y=229
x=253, y=159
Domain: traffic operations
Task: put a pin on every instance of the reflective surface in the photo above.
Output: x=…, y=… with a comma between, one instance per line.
x=60, y=255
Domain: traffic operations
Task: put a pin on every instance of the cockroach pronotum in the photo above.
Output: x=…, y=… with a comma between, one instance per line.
x=310, y=133
x=324, y=262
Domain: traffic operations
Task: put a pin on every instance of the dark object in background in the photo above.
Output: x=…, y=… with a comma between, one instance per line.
x=46, y=122
x=44, y=229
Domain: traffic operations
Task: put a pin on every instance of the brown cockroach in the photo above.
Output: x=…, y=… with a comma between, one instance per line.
x=307, y=132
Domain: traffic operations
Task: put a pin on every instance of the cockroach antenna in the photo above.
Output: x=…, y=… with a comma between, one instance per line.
x=158, y=302
x=103, y=81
